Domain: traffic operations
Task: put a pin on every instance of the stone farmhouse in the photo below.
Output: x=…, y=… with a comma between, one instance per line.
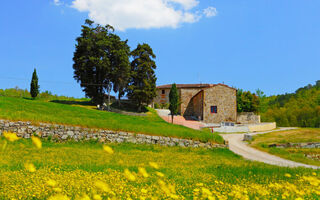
x=210, y=103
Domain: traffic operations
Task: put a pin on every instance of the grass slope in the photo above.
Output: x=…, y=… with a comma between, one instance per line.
x=192, y=172
x=292, y=136
x=78, y=113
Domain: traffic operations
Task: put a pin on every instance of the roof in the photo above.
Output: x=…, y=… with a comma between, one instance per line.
x=203, y=85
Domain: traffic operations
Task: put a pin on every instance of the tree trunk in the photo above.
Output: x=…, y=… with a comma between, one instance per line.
x=109, y=100
x=139, y=107
x=172, y=118
x=119, y=96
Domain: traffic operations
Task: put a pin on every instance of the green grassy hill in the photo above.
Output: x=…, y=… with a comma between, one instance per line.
x=79, y=112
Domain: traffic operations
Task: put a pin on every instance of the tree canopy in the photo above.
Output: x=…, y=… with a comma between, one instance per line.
x=34, y=86
x=301, y=108
x=247, y=102
x=174, y=100
x=101, y=61
x=142, y=84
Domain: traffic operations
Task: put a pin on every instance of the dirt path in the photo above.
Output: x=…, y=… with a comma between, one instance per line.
x=239, y=147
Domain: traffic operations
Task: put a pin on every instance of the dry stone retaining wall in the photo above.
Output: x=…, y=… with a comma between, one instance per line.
x=62, y=132
x=305, y=145
x=248, y=118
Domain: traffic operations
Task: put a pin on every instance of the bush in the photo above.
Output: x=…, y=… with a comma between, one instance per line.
x=164, y=106
x=156, y=106
x=15, y=92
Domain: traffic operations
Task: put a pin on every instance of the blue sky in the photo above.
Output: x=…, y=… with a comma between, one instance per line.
x=267, y=44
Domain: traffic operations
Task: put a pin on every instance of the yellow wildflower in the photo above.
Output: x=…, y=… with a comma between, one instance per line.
x=287, y=175
x=129, y=175
x=144, y=191
x=314, y=174
x=159, y=174
x=211, y=198
x=206, y=192
x=51, y=183
x=97, y=197
x=161, y=182
x=143, y=172
x=84, y=197
x=102, y=186
x=37, y=142
x=199, y=184
x=58, y=197
x=154, y=165
x=11, y=137
x=108, y=149
x=56, y=189
x=30, y=167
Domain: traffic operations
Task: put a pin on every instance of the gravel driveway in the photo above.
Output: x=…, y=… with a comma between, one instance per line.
x=239, y=147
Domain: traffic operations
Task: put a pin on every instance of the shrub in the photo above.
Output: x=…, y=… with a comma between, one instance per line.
x=164, y=106
x=156, y=106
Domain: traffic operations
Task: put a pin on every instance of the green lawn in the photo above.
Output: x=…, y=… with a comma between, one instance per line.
x=76, y=168
x=80, y=113
x=301, y=135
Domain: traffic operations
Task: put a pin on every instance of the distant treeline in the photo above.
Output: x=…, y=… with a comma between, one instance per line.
x=301, y=109
x=24, y=93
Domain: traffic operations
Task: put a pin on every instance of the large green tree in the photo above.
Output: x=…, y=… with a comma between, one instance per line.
x=174, y=100
x=121, y=65
x=99, y=58
x=247, y=102
x=142, y=85
x=34, y=86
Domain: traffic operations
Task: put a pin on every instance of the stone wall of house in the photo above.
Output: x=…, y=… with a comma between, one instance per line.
x=197, y=102
x=248, y=118
x=162, y=98
x=226, y=101
x=62, y=132
x=186, y=95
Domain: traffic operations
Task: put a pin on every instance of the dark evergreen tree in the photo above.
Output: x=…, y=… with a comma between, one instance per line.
x=142, y=85
x=34, y=87
x=174, y=100
x=121, y=66
x=101, y=61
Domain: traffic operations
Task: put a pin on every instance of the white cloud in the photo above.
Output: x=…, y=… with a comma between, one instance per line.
x=126, y=14
x=210, y=12
x=186, y=4
x=57, y=2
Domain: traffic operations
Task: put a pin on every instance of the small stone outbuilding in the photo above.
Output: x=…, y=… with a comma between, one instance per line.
x=210, y=103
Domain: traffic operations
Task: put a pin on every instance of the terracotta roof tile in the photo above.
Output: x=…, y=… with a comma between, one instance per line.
x=203, y=85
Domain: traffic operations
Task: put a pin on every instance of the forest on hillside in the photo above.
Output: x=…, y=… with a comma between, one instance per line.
x=301, y=108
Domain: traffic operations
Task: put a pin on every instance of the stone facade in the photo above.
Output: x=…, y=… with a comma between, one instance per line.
x=225, y=98
x=162, y=98
x=62, y=132
x=186, y=98
x=197, y=101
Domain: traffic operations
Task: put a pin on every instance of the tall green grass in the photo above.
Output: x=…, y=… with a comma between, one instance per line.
x=192, y=164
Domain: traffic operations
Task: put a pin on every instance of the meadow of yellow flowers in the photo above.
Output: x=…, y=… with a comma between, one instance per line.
x=40, y=169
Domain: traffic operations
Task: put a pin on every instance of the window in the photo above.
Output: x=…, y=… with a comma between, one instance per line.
x=214, y=109
x=163, y=91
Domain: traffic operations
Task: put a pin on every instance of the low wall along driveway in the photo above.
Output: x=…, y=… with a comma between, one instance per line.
x=62, y=132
